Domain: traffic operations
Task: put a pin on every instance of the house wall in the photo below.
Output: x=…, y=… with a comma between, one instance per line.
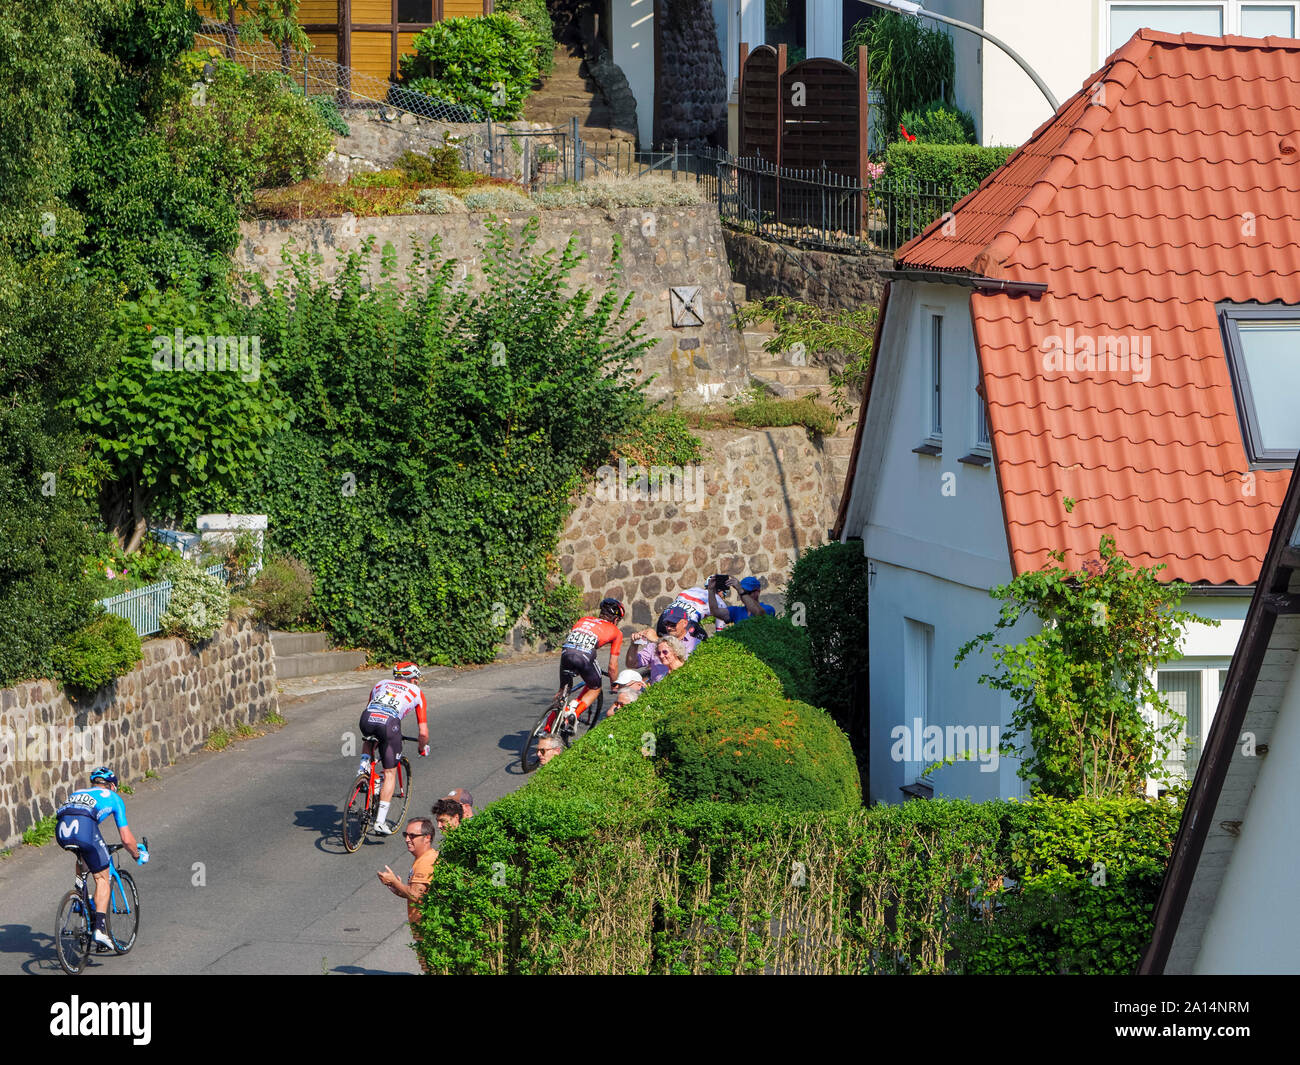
x=632, y=36
x=1252, y=927
x=967, y=50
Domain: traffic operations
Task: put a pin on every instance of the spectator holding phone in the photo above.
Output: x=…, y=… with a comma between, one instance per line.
x=750, y=606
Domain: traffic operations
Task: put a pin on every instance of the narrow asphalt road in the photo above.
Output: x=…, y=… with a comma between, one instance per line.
x=248, y=873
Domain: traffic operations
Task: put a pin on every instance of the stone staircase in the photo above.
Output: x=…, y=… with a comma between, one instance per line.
x=789, y=381
x=570, y=92
x=309, y=654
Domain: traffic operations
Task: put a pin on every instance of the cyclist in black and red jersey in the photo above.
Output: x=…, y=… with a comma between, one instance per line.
x=578, y=657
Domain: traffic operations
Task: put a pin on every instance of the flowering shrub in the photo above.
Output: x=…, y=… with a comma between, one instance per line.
x=199, y=603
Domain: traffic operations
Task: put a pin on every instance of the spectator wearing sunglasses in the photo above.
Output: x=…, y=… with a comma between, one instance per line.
x=419, y=843
x=671, y=656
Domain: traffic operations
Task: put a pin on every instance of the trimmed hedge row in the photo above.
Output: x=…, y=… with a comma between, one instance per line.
x=604, y=864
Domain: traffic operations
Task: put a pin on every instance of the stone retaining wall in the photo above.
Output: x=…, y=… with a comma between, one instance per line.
x=825, y=278
x=662, y=247
x=166, y=707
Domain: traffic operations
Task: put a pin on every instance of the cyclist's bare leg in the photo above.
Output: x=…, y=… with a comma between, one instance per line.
x=103, y=882
x=389, y=785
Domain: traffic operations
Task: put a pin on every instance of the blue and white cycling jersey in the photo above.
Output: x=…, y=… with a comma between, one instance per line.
x=98, y=803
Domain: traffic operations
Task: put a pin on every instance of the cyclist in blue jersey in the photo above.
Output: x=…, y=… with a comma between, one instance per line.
x=78, y=830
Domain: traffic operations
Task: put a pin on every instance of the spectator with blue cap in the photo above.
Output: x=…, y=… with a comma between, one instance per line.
x=749, y=607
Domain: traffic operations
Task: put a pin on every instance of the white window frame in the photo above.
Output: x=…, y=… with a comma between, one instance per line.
x=932, y=394
x=1231, y=15
x=981, y=445
x=918, y=691
x=1209, y=669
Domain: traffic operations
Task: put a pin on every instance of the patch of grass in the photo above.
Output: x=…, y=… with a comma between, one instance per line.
x=126, y=789
x=150, y=774
x=245, y=730
x=764, y=411
x=273, y=719
x=5, y=853
x=218, y=741
x=661, y=438
x=40, y=833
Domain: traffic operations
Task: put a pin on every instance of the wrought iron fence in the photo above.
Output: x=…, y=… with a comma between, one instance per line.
x=820, y=208
x=144, y=607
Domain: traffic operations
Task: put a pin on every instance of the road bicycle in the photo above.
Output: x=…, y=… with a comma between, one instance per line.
x=359, y=812
x=551, y=723
x=74, y=935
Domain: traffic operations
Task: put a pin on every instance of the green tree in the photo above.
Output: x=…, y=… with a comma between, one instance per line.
x=1081, y=684
x=272, y=20
x=805, y=329
x=186, y=409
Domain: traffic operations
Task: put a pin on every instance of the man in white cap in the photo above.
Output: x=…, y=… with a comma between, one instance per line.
x=629, y=685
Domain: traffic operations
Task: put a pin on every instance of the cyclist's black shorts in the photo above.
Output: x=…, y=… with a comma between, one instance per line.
x=80, y=833
x=575, y=662
x=387, y=730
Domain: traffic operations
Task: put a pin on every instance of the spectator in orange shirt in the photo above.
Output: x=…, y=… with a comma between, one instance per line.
x=419, y=843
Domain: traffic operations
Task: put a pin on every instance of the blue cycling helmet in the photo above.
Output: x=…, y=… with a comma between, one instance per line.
x=103, y=773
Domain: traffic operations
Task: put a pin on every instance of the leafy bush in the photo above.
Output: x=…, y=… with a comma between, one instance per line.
x=1081, y=683
x=104, y=650
x=251, y=131
x=660, y=438
x=437, y=201
x=910, y=62
x=433, y=454
x=612, y=193
x=940, y=123
x=440, y=167
x=488, y=61
x=498, y=199
x=282, y=592
x=379, y=179
x=784, y=649
x=198, y=605
x=828, y=594
x=742, y=749
x=328, y=109
x=552, y=615
x=534, y=15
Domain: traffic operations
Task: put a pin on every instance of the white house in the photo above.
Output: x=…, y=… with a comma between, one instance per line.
x=1096, y=341
x=1065, y=40
x=1227, y=900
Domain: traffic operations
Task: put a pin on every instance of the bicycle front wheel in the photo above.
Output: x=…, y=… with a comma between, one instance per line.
x=528, y=756
x=356, y=813
x=72, y=933
x=396, y=813
x=123, y=913
x=594, y=714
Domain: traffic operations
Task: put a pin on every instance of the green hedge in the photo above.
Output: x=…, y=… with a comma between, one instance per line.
x=940, y=123
x=104, y=650
x=827, y=596
x=490, y=61
x=557, y=882
x=921, y=181
x=782, y=647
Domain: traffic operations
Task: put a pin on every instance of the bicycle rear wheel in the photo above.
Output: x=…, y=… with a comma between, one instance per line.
x=593, y=715
x=72, y=933
x=124, y=913
x=528, y=756
x=396, y=814
x=356, y=814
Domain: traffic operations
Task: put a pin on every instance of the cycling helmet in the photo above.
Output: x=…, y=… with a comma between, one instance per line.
x=612, y=607
x=406, y=671
x=103, y=773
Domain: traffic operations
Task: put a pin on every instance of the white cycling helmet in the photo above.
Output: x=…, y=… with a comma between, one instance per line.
x=406, y=671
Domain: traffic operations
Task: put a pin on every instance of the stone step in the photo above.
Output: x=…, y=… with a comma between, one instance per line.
x=295, y=643
x=785, y=389
x=317, y=663
x=816, y=376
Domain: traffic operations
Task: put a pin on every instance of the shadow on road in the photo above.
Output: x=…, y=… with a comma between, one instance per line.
x=327, y=822
x=38, y=946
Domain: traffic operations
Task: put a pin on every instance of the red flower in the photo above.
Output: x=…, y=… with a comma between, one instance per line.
x=906, y=136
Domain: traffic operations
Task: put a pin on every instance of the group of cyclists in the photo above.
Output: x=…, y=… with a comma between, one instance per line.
x=391, y=701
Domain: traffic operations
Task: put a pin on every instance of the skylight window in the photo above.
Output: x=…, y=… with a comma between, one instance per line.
x=1263, y=346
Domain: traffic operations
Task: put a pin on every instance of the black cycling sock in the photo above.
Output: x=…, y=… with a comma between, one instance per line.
x=99, y=921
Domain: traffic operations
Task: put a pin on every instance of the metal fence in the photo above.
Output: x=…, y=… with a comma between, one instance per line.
x=144, y=607
x=823, y=209
x=356, y=93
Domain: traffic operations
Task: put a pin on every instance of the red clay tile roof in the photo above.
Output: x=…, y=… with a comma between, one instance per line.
x=1167, y=183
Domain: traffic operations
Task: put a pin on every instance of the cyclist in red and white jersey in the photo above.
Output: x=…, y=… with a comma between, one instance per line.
x=578, y=656
x=381, y=724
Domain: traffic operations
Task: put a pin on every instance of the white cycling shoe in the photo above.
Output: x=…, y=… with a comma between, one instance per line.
x=383, y=828
x=101, y=938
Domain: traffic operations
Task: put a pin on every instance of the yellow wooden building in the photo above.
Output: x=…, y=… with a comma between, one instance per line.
x=370, y=35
